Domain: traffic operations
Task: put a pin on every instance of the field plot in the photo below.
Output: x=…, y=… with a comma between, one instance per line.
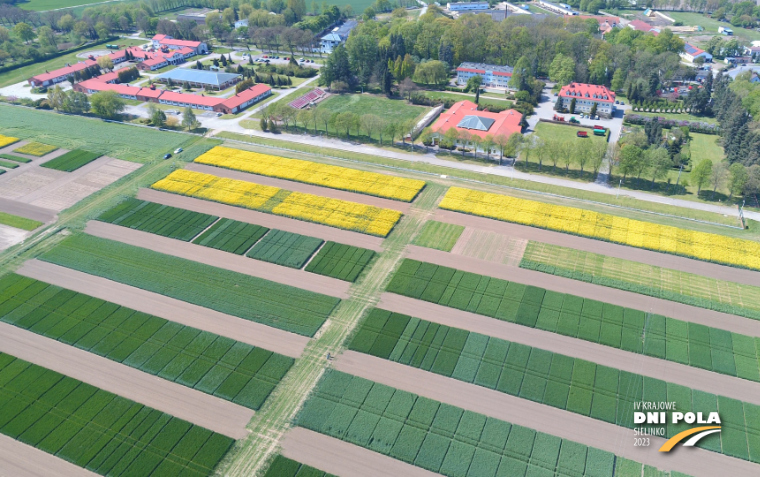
x=273, y=304
x=674, y=285
x=231, y=236
x=283, y=467
x=213, y=364
x=322, y=210
x=18, y=222
x=635, y=233
x=12, y=157
x=98, y=430
x=158, y=219
x=7, y=140
x=285, y=248
x=610, y=325
x=490, y=246
x=8, y=164
x=567, y=383
x=335, y=177
x=72, y=160
x=438, y=235
x=343, y=262
x=35, y=149
x=439, y=437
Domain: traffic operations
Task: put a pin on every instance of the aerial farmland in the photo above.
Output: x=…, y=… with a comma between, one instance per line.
x=246, y=310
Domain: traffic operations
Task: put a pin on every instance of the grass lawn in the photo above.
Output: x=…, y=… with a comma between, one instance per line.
x=705, y=146
x=491, y=100
x=18, y=222
x=42, y=5
x=711, y=25
x=395, y=110
x=22, y=74
x=438, y=235
x=678, y=117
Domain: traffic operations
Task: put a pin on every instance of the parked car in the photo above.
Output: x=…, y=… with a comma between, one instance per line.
x=167, y=156
x=178, y=150
x=581, y=134
x=218, y=115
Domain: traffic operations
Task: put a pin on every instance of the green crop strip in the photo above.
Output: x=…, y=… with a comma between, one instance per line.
x=273, y=304
x=344, y=262
x=15, y=158
x=231, y=236
x=8, y=165
x=283, y=467
x=673, y=285
x=570, y=384
x=19, y=222
x=285, y=248
x=212, y=364
x=438, y=235
x=72, y=160
x=623, y=328
x=98, y=430
x=443, y=438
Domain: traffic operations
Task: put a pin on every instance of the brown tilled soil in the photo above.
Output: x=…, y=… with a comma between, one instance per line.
x=343, y=459
x=301, y=187
x=21, y=460
x=217, y=258
x=265, y=220
x=694, y=461
x=658, y=306
x=720, y=272
x=721, y=384
x=185, y=403
x=26, y=210
x=256, y=334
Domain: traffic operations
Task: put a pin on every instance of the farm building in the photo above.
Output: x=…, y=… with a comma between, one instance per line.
x=586, y=95
x=152, y=60
x=467, y=6
x=159, y=41
x=337, y=36
x=245, y=98
x=691, y=53
x=199, y=78
x=62, y=74
x=494, y=76
x=464, y=116
x=640, y=25
x=561, y=9
x=94, y=85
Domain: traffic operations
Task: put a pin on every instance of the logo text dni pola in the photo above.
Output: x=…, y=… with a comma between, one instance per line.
x=651, y=419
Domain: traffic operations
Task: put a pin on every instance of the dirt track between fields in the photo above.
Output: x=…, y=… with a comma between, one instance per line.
x=256, y=334
x=265, y=220
x=665, y=260
x=217, y=258
x=568, y=425
x=301, y=187
x=722, y=384
x=29, y=211
x=658, y=306
x=340, y=458
x=185, y=403
x=21, y=460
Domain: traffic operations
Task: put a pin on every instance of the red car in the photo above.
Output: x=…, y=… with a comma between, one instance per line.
x=581, y=134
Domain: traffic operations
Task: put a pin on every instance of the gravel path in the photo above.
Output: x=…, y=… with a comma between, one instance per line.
x=217, y=258
x=343, y=459
x=21, y=460
x=658, y=306
x=266, y=220
x=185, y=403
x=697, y=378
x=665, y=260
x=301, y=187
x=694, y=461
x=255, y=334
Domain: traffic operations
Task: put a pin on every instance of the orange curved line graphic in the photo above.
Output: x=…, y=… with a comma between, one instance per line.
x=682, y=435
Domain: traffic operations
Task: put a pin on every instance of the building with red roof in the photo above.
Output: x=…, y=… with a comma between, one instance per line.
x=245, y=98
x=94, y=85
x=60, y=75
x=168, y=42
x=586, y=95
x=112, y=77
x=195, y=101
x=464, y=116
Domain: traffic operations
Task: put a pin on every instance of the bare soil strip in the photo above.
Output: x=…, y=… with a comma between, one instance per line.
x=217, y=258
x=29, y=211
x=265, y=220
x=185, y=403
x=567, y=425
x=492, y=247
x=659, y=306
x=21, y=460
x=463, y=240
x=343, y=459
x=33, y=166
x=665, y=260
x=255, y=334
x=301, y=187
x=722, y=384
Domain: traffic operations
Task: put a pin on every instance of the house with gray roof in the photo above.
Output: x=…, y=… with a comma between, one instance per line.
x=337, y=36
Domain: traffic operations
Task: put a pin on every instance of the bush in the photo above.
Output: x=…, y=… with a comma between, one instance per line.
x=694, y=126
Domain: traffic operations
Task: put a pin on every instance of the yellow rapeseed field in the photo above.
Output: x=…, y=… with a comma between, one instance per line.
x=313, y=208
x=335, y=177
x=36, y=149
x=661, y=238
x=7, y=140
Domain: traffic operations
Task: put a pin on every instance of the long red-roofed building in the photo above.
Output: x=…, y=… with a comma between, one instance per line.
x=464, y=116
x=62, y=74
x=199, y=47
x=586, y=95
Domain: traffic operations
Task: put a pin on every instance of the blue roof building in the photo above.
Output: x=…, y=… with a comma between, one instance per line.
x=200, y=78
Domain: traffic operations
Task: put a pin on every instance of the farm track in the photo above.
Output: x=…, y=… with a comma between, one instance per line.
x=265, y=220
x=658, y=306
x=255, y=334
x=342, y=458
x=29, y=211
x=665, y=260
x=217, y=258
x=273, y=420
x=696, y=462
x=301, y=187
x=22, y=460
x=185, y=403
x=689, y=376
